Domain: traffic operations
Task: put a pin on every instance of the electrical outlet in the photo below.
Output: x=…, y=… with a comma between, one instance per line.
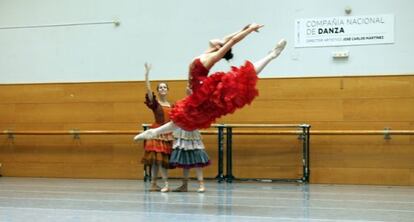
x=340, y=54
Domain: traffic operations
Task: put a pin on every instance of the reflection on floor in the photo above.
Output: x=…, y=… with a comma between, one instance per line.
x=42, y=199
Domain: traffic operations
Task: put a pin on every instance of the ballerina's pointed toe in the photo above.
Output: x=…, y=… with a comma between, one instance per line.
x=146, y=135
x=281, y=44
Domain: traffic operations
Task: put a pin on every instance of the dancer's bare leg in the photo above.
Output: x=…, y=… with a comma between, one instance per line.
x=151, y=133
x=259, y=65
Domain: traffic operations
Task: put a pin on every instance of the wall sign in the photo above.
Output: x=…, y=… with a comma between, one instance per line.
x=345, y=30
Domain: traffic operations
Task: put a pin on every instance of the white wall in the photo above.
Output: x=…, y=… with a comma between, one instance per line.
x=169, y=33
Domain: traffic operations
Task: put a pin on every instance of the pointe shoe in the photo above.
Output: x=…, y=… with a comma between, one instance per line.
x=278, y=48
x=182, y=188
x=154, y=188
x=165, y=188
x=202, y=188
x=281, y=44
x=146, y=135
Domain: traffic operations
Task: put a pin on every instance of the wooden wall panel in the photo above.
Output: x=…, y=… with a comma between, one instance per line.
x=297, y=111
x=395, y=109
x=378, y=87
x=374, y=102
x=392, y=157
x=36, y=93
x=68, y=170
x=7, y=113
x=361, y=125
x=299, y=89
x=267, y=172
x=379, y=176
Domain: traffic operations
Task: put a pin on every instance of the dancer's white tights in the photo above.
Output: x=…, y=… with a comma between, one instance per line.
x=259, y=65
x=199, y=173
x=166, y=128
x=154, y=173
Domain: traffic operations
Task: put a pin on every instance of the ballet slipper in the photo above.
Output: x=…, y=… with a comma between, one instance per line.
x=201, y=188
x=146, y=135
x=182, y=188
x=165, y=188
x=278, y=48
x=154, y=188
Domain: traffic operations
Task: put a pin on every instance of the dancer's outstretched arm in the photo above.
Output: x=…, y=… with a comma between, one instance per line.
x=228, y=37
x=147, y=82
x=166, y=128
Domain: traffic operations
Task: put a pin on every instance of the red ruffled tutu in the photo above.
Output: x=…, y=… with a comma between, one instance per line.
x=219, y=94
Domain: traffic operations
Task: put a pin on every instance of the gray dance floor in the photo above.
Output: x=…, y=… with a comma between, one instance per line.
x=41, y=199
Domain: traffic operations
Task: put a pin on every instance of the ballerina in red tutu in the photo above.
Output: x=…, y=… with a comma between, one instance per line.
x=218, y=94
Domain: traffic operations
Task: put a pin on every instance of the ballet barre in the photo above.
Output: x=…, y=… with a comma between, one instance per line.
x=384, y=132
x=76, y=133
x=302, y=130
x=115, y=23
x=226, y=130
x=303, y=134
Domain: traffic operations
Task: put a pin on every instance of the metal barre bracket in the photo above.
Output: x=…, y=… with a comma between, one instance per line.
x=301, y=135
x=9, y=133
x=75, y=133
x=387, y=135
